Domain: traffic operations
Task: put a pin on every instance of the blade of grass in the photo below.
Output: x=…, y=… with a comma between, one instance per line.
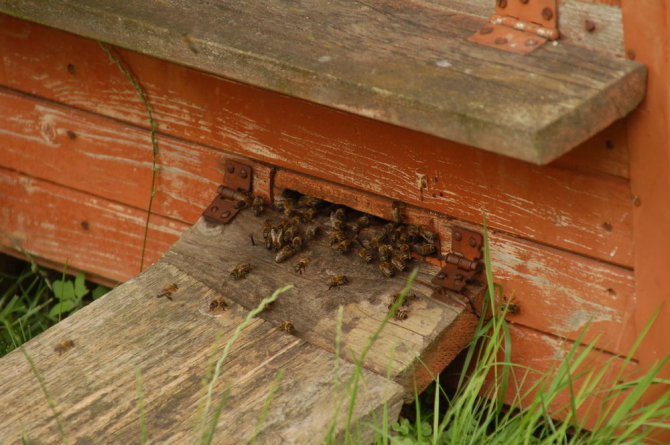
x=154, y=142
x=266, y=406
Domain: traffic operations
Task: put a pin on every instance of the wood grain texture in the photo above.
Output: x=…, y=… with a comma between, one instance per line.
x=558, y=292
x=585, y=213
x=398, y=62
x=171, y=344
x=572, y=14
x=187, y=103
x=210, y=252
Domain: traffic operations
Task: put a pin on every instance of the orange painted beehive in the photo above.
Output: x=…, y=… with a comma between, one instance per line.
x=380, y=105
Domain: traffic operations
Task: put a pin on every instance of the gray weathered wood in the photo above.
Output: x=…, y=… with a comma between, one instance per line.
x=406, y=63
x=171, y=341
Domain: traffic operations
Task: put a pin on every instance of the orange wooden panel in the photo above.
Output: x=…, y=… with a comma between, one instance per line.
x=110, y=159
x=572, y=210
x=558, y=292
x=85, y=231
x=647, y=32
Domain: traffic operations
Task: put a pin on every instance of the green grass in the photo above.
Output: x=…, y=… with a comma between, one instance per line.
x=32, y=299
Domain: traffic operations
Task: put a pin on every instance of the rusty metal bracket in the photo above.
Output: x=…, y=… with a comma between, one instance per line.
x=463, y=263
x=232, y=194
x=520, y=26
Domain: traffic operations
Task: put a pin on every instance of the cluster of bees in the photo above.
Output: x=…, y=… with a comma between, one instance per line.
x=348, y=232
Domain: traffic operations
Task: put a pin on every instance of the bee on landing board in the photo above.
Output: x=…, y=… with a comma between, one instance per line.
x=387, y=269
x=287, y=326
x=217, y=304
x=241, y=271
x=257, y=206
x=365, y=255
x=337, y=280
x=168, y=291
x=285, y=253
x=302, y=265
x=401, y=314
x=64, y=347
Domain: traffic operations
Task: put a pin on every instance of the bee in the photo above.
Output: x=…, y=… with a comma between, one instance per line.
x=217, y=303
x=424, y=249
x=360, y=223
x=510, y=308
x=337, y=225
x=168, y=291
x=308, y=201
x=337, y=237
x=289, y=233
x=296, y=242
x=385, y=251
x=276, y=238
x=244, y=203
x=188, y=40
x=406, y=302
x=257, y=206
x=338, y=214
x=343, y=246
x=308, y=214
x=287, y=326
x=387, y=269
x=267, y=226
x=387, y=230
x=285, y=206
x=375, y=241
x=241, y=271
x=365, y=255
x=302, y=265
x=403, y=237
x=398, y=264
x=311, y=232
x=412, y=233
x=285, y=253
x=337, y=280
x=63, y=347
x=403, y=252
x=401, y=314
x=396, y=210
x=427, y=235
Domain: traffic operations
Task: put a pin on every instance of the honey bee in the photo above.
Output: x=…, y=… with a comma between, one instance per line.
x=241, y=271
x=285, y=253
x=63, y=347
x=311, y=232
x=386, y=269
x=385, y=251
x=406, y=302
x=427, y=235
x=217, y=304
x=365, y=255
x=267, y=226
x=398, y=264
x=290, y=232
x=387, y=230
x=360, y=223
x=424, y=249
x=308, y=214
x=302, y=265
x=257, y=206
x=296, y=242
x=338, y=225
x=397, y=216
x=308, y=201
x=188, y=40
x=403, y=252
x=375, y=241
x=412, y=233
x=401, y=314
x=285, y=206
x=337, y=237
x=338, y=214
x=510, y=308
x=337, y=280
x=343, y=246
x=276, y=238
x=244, y=203
x=168, y=291
x=287, y=326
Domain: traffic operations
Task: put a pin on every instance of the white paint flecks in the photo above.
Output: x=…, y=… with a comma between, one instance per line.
x=443, y=63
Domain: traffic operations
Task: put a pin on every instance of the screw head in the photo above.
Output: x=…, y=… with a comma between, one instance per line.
x=500, y=41
x=441, y=276
x=225, y=214
x=547, y=14
x=589, y=25
x=243, y=173
x=214, y=209
x=458, y=236
x=486, y=30
x=472, y=242
x=502, y=3
x=523, y=2
x=230, y=169
x=531, y=42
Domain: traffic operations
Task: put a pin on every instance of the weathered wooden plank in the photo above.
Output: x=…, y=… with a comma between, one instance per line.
x=558, y=292
x=171, y=343
x=80, y=229
x=394, y=61
x=72, y=70
x=210, y=252
x=580, y=212
x=572, y=15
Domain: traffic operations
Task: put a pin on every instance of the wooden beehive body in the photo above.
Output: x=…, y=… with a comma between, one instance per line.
x=566, y=238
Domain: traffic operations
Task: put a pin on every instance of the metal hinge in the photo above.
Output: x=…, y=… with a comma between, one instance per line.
x=520, y=26
x=232, y=193
x=463, y=263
